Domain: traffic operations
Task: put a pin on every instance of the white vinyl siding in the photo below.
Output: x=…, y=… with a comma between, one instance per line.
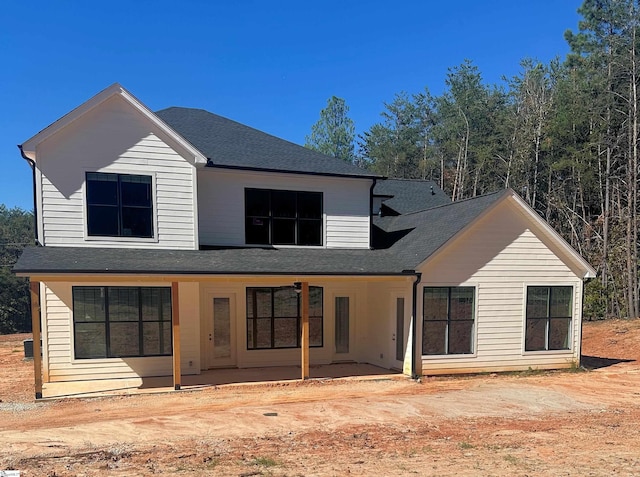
x=501, y=255
x=222, y=213
x=59, y=358
x=114, y=138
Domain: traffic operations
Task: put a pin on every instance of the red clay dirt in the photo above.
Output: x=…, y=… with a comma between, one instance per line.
x=579, y=423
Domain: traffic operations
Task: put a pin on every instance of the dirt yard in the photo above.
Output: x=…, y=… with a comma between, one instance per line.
x=579, y=423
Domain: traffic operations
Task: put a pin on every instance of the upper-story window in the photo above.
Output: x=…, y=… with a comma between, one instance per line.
x=282, y=217
x=119, y=205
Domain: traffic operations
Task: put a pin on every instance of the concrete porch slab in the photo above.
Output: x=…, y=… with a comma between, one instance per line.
x=213, y=378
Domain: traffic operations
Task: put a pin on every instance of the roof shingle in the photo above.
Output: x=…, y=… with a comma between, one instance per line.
x=227, y=143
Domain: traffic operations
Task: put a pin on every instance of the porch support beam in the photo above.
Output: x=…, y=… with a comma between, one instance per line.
x=175, y=323
x=34, y=289
x=305, y=330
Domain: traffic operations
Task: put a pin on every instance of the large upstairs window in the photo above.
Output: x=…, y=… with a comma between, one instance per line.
x=119, y=205
x=282, y=217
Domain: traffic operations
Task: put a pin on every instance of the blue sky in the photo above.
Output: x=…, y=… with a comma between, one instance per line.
x=271, y=65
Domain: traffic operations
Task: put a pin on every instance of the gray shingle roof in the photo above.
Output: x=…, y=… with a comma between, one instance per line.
x=223, y=261
x=409, y=195
x=426, y=232
x=227, y=143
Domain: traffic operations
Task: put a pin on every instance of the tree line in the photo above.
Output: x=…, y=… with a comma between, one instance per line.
x=563, y=134
x=16, y=232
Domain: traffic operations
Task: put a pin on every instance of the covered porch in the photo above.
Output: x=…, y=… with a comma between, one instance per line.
x=212, y=379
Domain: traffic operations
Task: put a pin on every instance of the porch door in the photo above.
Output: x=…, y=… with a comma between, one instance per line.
x=400, y=320
x=343, y=326
x=221, y=332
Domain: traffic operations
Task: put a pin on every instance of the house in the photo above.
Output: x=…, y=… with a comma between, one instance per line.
x=178, y=241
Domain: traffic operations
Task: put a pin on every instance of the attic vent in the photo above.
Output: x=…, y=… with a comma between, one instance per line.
x=432, y=192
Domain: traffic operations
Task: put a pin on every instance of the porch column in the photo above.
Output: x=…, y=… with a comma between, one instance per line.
x=34, y=289
x=305, y=330
x=175, y=323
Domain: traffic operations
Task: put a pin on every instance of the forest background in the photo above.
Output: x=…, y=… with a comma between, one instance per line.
x=563, y=135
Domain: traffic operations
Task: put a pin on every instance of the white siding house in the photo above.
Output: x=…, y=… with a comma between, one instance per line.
x=145, y=266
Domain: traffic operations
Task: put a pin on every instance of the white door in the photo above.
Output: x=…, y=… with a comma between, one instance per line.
x=221, y=330
x=400, y=318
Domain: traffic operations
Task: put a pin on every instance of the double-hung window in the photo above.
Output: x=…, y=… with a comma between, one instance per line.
x=119, y=205
x=283, y=217
x=273, y=318
x=548, y=319
x=111, y=322
x=448, y=320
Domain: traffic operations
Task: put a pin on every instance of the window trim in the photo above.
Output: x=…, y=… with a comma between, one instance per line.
x=474, y=334
x=297, y=219
x=111, y=359
x=120, y=239
x=272, y=317
x=572, y=332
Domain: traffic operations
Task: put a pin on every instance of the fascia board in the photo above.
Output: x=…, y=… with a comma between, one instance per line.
x=569, y=251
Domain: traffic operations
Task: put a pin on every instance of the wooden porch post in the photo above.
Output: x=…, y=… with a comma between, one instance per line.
x=34, y=289
x=175, y=323
x=305, y=330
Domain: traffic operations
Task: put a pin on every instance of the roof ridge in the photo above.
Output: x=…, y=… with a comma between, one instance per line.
x=456, y=202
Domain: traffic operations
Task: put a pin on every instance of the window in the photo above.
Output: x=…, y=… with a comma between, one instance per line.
x=342, y=324
x=119, y=205
x=111, y=322
x=448, y=317
x=281, y=217
x=548, y=318
x=273, y=318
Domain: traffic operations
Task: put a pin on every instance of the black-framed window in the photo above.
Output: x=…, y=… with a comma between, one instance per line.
x=548, y=318
x=113, y=322
x=448, y=320
x=282, y=217
x=273, y=318
x=119, y=205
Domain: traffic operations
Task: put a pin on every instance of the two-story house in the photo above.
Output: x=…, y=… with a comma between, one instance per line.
x=177, y=241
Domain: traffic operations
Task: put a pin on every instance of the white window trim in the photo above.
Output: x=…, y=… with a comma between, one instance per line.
x=435, y=357
x=108, y=240
x=568, y=352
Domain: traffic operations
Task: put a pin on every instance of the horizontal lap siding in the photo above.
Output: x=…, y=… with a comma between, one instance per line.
x=114, y=138
x=501, y=256
x=58, y=338
x=221, y=205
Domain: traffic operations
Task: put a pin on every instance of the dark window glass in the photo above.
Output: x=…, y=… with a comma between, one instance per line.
x=119, y=205
x=283, y=204
x=548, y=321
x=273, y=318
x=121, y=322
x=284, y=231
x=280, y=217
x=448, y=320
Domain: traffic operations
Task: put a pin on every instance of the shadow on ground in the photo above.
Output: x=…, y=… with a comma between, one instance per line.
x=595, y=362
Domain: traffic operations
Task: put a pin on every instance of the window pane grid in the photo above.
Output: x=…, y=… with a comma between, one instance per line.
x=448, y=320
x=119, y=205
x=124, y=322
x=548, y=318
x=281, y=327
x=280, y=217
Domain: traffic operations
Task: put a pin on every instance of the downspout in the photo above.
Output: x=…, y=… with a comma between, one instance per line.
x=371, y=213
x=32, y=164
x=414, y=323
